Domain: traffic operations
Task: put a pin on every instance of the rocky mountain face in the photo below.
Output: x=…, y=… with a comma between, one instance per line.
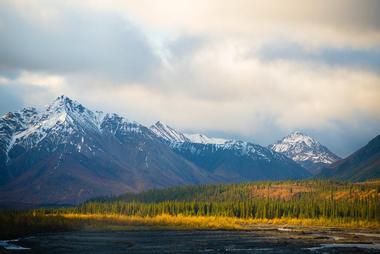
x=306, y=151
x=362, y=165
x=231, y=160
x=67, y=154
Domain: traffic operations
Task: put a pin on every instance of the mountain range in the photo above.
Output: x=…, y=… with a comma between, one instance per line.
x=66, y=154
x=230, y=160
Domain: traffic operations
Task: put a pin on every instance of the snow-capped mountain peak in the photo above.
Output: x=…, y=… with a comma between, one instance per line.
x=304, y=149
x=294, y=139
x=168, y=133
x=63, y=107
x=64, y=121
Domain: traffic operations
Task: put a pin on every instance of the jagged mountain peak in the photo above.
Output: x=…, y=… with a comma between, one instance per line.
x=23, y=116
x=300, y=137
x=65, y=104
x=305, y=150
x=295, y=140
x=64, y=112
x=63, y=121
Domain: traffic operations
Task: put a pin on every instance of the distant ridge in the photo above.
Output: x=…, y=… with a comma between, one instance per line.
x=231, y=160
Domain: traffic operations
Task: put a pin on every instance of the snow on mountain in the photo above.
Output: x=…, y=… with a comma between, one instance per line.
x=63, y=121
x=305, y=150
x=12, y=123
x=203, y=139
x=234, y=160
x=173, y=136
x=168, y=133
x=197, y=143
x=67, y=153
x=62, y=117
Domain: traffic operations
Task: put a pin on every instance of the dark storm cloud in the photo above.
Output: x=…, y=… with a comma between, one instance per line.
x=74, y=41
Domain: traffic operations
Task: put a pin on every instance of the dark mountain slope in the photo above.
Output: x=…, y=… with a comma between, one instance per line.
x=362, y=165
x=238, y=161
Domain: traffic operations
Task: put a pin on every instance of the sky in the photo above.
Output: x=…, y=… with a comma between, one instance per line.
x=242, y=69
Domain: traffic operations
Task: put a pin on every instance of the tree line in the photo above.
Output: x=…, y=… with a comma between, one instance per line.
x=307, y=199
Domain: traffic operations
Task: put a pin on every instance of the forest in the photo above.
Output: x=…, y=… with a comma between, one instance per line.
x=262, y=200
x=220, y=206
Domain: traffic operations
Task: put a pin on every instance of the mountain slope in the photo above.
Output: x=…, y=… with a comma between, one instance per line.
x=171, y=135
x=362, y=165
x=67, y=154
x=235, y=161
x=167, y=133
x=306, y=151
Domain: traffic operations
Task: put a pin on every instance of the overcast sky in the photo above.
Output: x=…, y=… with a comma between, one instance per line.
x=245, y=69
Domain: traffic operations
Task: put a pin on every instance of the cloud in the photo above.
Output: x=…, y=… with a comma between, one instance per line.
x=334, y=57
x=15, y=95
x=9, y=99
x=336, y=22
x=242, y=69
x=184, y=45
x=60, y=39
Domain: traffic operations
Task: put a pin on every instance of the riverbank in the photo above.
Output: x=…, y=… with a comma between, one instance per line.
x=214, y=222
x=14, y=225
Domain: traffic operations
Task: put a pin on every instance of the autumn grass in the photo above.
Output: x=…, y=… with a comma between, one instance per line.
x=18, y=224
x=165, y=221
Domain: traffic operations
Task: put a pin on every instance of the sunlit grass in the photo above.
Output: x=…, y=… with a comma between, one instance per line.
x=215, y=222
x=18, y=224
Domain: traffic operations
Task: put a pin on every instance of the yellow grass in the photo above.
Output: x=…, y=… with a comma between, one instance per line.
x=206, y=222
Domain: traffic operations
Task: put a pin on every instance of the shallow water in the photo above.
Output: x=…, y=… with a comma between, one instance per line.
x=264, y=240
x=11, y=245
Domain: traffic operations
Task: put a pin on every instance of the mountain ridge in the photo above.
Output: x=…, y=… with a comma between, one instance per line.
x=232, y=159
x=69, y=154
x=361, y=165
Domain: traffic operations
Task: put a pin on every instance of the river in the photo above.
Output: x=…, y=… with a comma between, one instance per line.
x=258, y=240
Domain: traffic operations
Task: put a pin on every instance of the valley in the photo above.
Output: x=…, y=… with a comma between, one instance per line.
x=305, y=216
x=86, y=181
